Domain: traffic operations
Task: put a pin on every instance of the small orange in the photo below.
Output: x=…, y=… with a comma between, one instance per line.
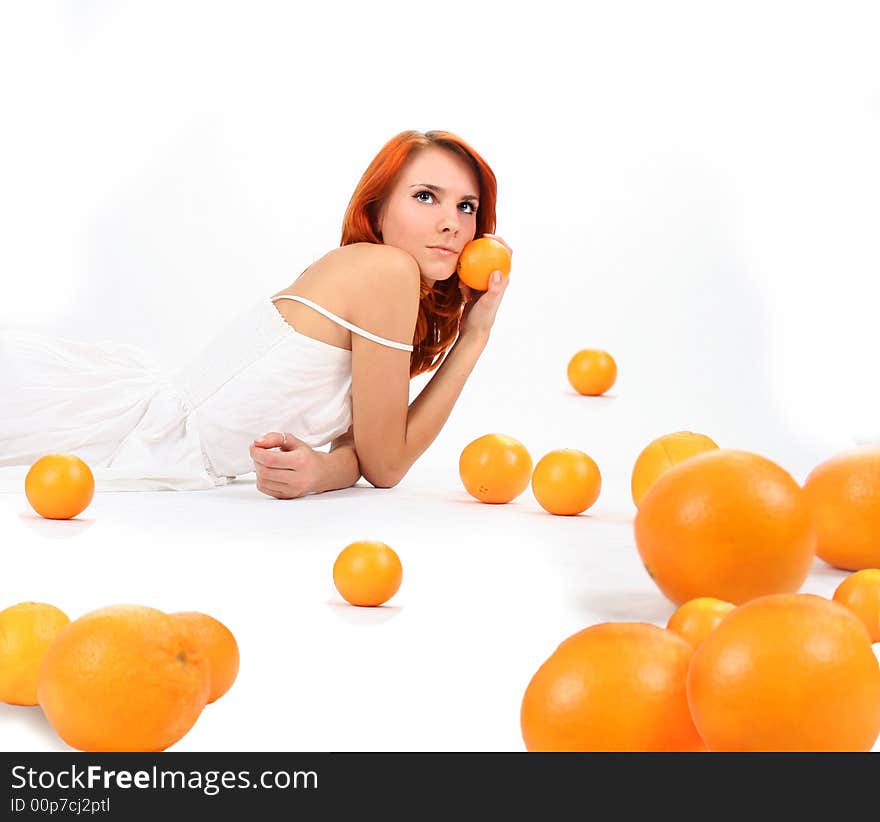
x=860, y=592
x=726, y=524
x=786, y=672
x=367, y=573
x=661, y=454
x=844, y=493
x=697, y=617
x=566, y=482
x=479, y=258
x=59, y=486
x=217, y=644
x=615, y=686
x=495, y=468
x=123, y=678
x=592, y=371
x=26, y=631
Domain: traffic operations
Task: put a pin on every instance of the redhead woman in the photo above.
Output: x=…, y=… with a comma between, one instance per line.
x=328, y=359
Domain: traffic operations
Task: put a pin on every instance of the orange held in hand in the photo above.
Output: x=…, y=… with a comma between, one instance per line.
x=123, y=678
x=697, y=618
x=367, y=573
x=661, y=454
x=860, y=592
x=615, y=686
x=217, y=644
x=479, y=258
x=786, y=672
x=725, y=524
x=592, y=372
x=59, y=486
x=566, y=482
x=495, y=468
x=844, y=493
x=26, y=631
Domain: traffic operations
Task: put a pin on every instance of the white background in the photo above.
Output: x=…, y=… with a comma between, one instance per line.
x=690, y=186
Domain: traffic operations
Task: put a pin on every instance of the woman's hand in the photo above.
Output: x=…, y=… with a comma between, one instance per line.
x=293, y=471
x=481, y=306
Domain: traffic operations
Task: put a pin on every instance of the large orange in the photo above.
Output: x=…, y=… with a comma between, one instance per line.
x=367, y=573
x=495, y=468
x=566, y=481
x=860, y=592
x=615, y=686
x=479, y=258
x=59, y=486
x=725, y=524
x=786, y=672
x=844, y=493
x=218, y=645
x=592, y=371
x=123, y=678
x=659, y=455
x=26, y=631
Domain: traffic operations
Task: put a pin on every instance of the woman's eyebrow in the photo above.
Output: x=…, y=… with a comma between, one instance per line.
x=441, y=190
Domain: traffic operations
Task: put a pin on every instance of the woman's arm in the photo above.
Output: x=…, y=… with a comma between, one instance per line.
x=341, y=468
x=389, y=434
x=430, y=410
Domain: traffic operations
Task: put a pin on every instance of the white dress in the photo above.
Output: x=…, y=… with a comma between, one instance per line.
x=140, y=429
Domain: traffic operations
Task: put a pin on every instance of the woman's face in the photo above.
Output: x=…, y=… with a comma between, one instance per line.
x=431, y=206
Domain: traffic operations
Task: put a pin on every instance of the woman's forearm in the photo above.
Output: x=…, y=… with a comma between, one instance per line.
x=341, y=468
x=429, y=411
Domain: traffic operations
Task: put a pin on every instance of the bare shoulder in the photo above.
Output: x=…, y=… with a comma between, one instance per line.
x=375, y=278
x=377, y=265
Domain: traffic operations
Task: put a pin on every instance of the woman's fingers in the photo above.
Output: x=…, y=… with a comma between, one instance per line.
x=280, y=476
x=274, y=489
x=271, y=440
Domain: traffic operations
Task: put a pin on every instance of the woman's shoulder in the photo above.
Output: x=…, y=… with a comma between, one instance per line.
x=373, y=257
x=370, y=270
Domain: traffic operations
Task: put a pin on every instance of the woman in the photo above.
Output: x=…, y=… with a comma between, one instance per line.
x=326, y=360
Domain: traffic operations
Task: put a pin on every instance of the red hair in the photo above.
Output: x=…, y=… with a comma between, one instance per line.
x=440, y=305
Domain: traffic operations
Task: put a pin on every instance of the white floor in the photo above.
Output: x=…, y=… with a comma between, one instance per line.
x=487, y=593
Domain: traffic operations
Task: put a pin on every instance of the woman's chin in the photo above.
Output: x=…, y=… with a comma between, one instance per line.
x=435, y=274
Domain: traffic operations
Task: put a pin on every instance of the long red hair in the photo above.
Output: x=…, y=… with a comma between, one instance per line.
x=440, y=305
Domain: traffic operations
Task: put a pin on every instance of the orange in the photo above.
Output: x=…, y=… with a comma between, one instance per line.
x=860, y=592
x=367, y=573
x=26, y=631
x=123, y=678
x=661, y=454
x=479, y=258
x=566, y=482
x=697, y=617
x=615, y=686
x=59, y=486
x=495, y=468
x=844, y=493
x=725, y=524
x=592, y=371
x=217, y=644
x=786, y=672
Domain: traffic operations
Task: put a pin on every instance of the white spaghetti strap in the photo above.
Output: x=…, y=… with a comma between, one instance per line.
x=344, y=323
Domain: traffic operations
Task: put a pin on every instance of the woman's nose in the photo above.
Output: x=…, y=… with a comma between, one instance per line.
x=449, y=222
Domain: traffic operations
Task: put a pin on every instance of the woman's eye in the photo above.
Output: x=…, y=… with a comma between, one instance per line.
x=469, y=206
